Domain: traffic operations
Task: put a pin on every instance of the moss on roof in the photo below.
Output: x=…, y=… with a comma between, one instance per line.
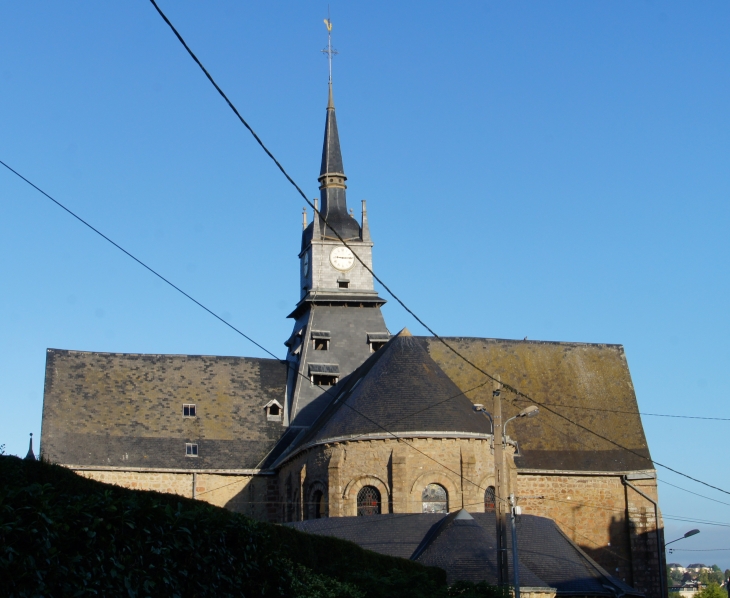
x=588, y=383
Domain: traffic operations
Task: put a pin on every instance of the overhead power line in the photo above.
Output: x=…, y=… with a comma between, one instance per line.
x=326, y=390
x=697, y=549
x=157, y=274
x=583, y=407
x=387, y=288
x=216, y=316
x=140, y=262
x=695, y=493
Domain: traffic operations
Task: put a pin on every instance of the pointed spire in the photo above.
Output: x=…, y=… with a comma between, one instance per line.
x=31, y=455
x=332, y=174
x=331, y=154
x=332, y=180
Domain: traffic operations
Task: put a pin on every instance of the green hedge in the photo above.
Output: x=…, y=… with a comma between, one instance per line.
x=65, y=535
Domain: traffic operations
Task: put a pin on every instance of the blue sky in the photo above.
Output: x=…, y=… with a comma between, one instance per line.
x=556, y=170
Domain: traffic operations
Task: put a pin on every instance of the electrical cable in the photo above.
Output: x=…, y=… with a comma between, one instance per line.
x=157, y=274
x=722, y=419
x=140, y=262
x=387, y=288
x=59, y=204
x=697, y=549
x=695, y=493
x=211, y=312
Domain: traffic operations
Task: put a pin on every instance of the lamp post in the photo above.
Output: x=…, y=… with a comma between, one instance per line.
x=530, y=411
x=689, y=534
x=499, y=435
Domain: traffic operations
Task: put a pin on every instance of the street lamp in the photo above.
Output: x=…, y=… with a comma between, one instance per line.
x=530, y=411
x=479, y=408
x=692, y=532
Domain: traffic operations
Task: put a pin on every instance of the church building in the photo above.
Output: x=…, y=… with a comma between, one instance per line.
x=360, y=423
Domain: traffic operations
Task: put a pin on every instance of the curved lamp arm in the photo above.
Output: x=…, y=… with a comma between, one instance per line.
x=530, y=411
x=480, y=409
x=692, y=532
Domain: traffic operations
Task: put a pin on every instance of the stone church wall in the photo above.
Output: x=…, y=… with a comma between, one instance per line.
x=399, y=472
x=245, y=494
x=609, y=521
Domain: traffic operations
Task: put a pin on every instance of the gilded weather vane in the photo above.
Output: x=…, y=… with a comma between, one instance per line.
x=329, y=50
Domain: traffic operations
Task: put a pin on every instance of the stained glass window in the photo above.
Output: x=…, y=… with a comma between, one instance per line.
x=368, y=501
x=489, y=499
x=435, y=499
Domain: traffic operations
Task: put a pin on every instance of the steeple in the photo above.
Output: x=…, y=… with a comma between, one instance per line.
x=31, y=455
x=332, y=179
x=338, y=322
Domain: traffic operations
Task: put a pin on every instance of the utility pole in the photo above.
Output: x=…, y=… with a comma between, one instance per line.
x=514, y=511
x=500, y=487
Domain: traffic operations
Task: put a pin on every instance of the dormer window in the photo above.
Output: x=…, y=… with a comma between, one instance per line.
x=377, y=340
x=321, y=344
x=321, y=340
x=324, y=380
x=274, y=411
x=324, y=374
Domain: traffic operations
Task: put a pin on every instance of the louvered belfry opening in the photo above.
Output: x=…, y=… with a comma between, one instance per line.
x=368, y=501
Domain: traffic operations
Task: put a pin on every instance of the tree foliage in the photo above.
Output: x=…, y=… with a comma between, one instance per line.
x=713, y=590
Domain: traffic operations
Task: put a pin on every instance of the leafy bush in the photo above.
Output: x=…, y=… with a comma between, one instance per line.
x=713, y=590
x=64, y=535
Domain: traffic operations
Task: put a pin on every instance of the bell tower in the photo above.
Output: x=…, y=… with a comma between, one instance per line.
x=338, y=322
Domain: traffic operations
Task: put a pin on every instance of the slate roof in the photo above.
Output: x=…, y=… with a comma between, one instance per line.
x=466, y=550
x=588, y=383
x=126, y=410
x=399, y=389
x=331, y=153
x=548, y=558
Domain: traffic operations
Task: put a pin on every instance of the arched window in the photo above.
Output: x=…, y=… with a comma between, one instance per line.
x=317, y=506
x=489, y=499
x=368, y=501
x=435, y=499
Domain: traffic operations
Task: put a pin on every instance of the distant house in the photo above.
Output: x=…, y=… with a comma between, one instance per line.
x=688, y=589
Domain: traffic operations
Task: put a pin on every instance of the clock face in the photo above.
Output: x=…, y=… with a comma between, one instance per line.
x=305, y=264
x=342, y=258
